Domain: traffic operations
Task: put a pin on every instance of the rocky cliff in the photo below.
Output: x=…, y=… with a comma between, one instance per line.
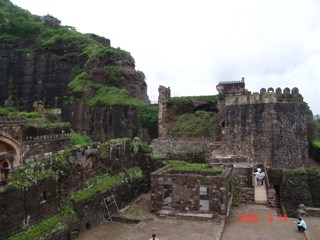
x=79, y=73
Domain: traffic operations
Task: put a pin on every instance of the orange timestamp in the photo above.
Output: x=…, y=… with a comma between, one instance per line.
x=255, y=218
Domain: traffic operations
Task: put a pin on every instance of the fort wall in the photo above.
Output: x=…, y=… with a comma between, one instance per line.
x=274, y=133
x=53, y=182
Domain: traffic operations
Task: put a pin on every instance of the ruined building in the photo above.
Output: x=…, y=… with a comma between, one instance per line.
x=270, y=129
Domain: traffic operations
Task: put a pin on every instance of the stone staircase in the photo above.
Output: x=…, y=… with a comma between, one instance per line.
x=260, y=194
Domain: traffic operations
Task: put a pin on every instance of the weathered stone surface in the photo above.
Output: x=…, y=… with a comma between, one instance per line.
x=109, y=122
x=271, y=133
x=185, y=187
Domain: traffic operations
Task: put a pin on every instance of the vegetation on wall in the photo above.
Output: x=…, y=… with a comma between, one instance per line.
x=200, y=123
x=106, y=185
x=90, y=53
x=235, y=192
x=50, y=226
x=197, y=98
x=182, y=165
x=149, y=114
x=37, y=170
x=28, y=115
x=58, y=223
x=107, y=96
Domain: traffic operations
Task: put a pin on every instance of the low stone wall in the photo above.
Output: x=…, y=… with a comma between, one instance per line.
x=243, y=176
x=246, y=195
x=26, y=206
x=272, y=198
x=186, y=190
x=190, y=149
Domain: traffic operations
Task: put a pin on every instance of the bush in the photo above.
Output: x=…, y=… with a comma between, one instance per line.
x=78, y=139
x=200, y=123
x=107, y=96
x=149, y=114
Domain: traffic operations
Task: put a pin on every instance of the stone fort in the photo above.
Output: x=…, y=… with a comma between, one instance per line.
x=270, y=129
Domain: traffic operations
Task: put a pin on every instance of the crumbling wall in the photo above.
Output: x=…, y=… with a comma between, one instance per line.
x=190, y=149
x=87, y=167
x=186, y=190
x=25, y=206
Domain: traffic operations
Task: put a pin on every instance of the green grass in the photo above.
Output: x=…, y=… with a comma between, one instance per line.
x=107, y=96
x=108, y=184
x=149, y=114
x=196, y=98
x=316, y=143
x=200, y=123
x=29, y=115
x=182, y=165
x=77, y=84
x=78, y=139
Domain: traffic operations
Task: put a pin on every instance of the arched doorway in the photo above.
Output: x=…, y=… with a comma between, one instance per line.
x=9, y=156
x=4, y=171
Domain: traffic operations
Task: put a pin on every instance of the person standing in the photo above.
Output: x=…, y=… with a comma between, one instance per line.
x=154, y=237
x=257, y=178
x=263, y=176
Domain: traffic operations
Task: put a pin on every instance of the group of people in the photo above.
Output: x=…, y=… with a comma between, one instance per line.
x=260, y=175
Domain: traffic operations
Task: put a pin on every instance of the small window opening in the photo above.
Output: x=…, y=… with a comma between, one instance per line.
x=3, y=211
x=88, y=226
x=204, y=198
x=43, y=197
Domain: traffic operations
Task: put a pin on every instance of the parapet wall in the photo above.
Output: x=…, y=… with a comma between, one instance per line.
x=267, y=97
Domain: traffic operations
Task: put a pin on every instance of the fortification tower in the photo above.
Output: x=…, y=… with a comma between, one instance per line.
x=231, y=88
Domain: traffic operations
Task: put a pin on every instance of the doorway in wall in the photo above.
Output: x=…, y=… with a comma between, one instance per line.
x=204, y=198
x=167, y=195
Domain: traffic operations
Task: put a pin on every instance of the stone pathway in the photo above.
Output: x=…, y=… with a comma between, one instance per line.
x=260, y=194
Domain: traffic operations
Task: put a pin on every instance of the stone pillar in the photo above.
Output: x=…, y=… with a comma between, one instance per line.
x=164, y=98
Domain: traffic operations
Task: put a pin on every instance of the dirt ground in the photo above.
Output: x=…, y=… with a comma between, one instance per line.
x=164, y=228
x=171, y=228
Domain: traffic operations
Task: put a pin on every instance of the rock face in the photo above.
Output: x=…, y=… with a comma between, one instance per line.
x=44, y=75
x=30, y=77
x=109, y=122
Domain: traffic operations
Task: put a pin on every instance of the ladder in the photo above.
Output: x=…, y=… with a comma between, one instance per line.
x=108, y=202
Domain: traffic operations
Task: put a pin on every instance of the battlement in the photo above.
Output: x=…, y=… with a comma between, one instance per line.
x=270, y=96
x=231, y=82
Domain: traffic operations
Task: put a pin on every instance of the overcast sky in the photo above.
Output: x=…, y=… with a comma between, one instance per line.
x=190, y=46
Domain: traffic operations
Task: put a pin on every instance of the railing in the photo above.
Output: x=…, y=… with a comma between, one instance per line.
x=266, y=180
x=253, y=176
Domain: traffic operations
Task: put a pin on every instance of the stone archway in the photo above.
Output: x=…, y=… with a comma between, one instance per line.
x=10, y=157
